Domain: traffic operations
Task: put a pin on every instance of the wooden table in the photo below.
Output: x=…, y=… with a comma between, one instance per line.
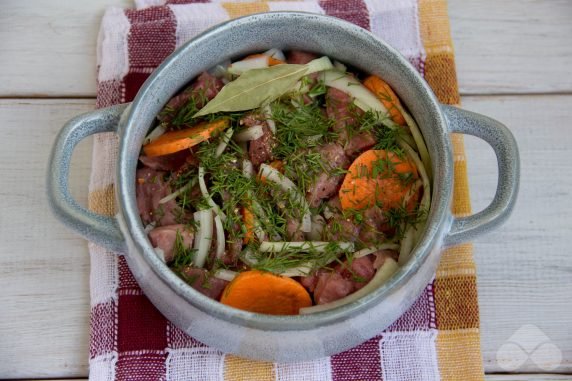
x=514, y=61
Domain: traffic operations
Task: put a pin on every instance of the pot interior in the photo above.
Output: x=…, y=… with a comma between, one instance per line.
x=286, y=30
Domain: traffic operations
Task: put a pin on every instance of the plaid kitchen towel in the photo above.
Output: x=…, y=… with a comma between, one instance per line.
x=437, y=339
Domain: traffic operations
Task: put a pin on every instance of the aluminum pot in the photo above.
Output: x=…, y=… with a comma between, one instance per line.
x=265, y=337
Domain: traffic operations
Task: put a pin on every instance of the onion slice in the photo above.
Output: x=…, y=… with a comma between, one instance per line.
x=247, y=168
x=207, y=196
x=224, y=274
x=249, y=133
x=179, y=191
x=275, y=53
x=373, y=249
x=157, y=131
x=364, y=98
x=303, y=270
x=385, y=272
x=268, y=115
x=419, y=141
x=240, y=67
x=203, y=239
x=224, y=142
x=220, y=237
x=287, y=185
x=412, y=233
x=319, y=64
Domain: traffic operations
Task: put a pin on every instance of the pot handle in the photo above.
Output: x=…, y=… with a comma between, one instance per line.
x=506, y=150
x=102, y=230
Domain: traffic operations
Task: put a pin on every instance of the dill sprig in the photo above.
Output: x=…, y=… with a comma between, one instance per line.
x=183, y=255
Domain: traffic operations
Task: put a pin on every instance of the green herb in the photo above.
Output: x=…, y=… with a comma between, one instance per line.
x=291, y=258
x=183, y=255
x=254, y=88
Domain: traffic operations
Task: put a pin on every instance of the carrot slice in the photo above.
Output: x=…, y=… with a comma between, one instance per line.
x=265, y=293
x=377, y=177
x=386, y=95
x=271, y=60
x=175, y=141
x=249, y=220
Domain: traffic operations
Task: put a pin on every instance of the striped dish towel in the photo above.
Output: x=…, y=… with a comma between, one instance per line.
x=437, y=339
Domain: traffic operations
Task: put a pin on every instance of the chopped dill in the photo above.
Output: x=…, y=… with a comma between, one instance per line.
x=183, y=255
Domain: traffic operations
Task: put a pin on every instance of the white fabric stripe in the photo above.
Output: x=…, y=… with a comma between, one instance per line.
x=397, y=22
x=195, y=364
x=112, y=53
x=103, y=277
x=317, y=370
x=409, y=356
x=104, y=157
x=142, y=4
x=306, y=6
x=193, y=19
x=102, y=368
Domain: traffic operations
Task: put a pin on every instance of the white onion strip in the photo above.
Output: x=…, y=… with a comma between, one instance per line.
x=303, y=270
x=207, y=196
x=418, y=138
x=373, y=249
x=240, y=67
x=203, y=239
x=407, y=243
x=385, y=272
x=157, y=131
x=247, y=168
x=220, y=237
x=319, y=64
x=224, y=142
x=364, y=98
x=179, y=191
x=249, y=133
x=319, y=246
x=275, y=53
x=224, y=274
x=412, y=233
x=268, y=115
x=287, y=185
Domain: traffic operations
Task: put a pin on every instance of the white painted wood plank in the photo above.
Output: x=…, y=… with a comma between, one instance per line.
x=48, y=47
x=511, y=46
x=525, y=267
x=516, y=46
x=44, y=287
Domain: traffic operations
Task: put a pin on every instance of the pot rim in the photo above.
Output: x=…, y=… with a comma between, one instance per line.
x=437, y=220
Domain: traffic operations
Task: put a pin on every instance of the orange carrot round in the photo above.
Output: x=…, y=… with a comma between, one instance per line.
x=271, y=60
x=265, y=293
x=174, y=141
x=377, y=177
x=386, y=95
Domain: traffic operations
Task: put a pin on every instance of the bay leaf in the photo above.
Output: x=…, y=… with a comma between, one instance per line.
x=254, y=88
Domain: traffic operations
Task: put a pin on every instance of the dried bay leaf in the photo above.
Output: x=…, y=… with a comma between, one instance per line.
x=254, y=88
